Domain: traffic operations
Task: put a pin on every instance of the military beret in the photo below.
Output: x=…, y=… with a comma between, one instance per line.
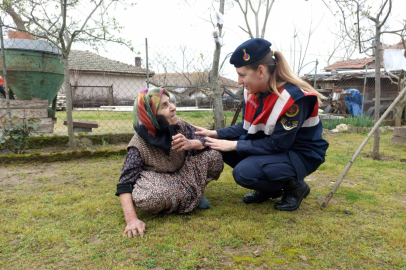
x=250, y=51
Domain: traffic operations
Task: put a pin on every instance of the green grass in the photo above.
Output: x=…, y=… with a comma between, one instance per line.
x=357, y=121
x=122, y=121
x=65, y=216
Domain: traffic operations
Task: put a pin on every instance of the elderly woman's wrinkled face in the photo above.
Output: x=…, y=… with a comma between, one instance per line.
x=168, y=110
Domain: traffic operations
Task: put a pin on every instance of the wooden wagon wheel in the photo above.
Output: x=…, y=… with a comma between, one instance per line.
x=237, y=112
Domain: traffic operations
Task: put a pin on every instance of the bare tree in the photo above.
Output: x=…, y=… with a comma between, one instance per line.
x=268, y=4
x=342, y=49
x=63, y=22
x=214, y=74
x=355, y=13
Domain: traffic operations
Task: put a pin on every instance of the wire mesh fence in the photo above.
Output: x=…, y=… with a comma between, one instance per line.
x=103, y=89
x=105, y=83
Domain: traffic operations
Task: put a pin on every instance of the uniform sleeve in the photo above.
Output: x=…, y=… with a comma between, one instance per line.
x=190, y=135
x=131, y=171
x=233, y=132
x=284, y=133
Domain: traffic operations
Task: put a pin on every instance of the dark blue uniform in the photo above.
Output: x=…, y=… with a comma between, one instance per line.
x=269, y=154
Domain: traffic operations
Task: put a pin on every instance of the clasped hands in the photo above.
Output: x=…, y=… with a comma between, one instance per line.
x=181, y=143
x=212, y=140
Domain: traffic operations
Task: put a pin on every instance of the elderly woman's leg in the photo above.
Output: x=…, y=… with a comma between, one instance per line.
x=181, y=191
x=153, y=193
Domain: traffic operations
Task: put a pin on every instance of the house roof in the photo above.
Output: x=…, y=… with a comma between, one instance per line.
x=190, y=79
x=362, y=62
x=337, y=77
x=397, y=46
x=89, y=61
x=188, y=84
x=351, y=64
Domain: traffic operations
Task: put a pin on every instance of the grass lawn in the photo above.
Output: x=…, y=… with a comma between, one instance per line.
x=65, y=216
x=123, y=121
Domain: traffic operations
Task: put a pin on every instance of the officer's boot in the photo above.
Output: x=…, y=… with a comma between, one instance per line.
x=293, y=194
x=259, y=197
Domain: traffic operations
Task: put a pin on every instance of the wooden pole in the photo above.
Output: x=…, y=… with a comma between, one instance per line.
x=363, y=92
x=146, y=53
x=6, y=90
x=354, y=157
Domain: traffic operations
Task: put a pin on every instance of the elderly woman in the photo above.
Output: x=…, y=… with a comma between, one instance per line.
x=167, y=166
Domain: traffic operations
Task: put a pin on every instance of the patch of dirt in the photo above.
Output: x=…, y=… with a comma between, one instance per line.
x=329, y=133
x=36, y=173
x=66, y=148
x=24, y=174
x=381, y=157
x=245, y=251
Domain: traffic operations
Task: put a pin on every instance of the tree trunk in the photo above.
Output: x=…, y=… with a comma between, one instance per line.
x=401, y=105
x=375, y=151
x=68, y=93
x=110, y=96
x=215, y=87
x=399, y=112
x=16, y=18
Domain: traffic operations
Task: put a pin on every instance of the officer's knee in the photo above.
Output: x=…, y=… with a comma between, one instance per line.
x=239, y=178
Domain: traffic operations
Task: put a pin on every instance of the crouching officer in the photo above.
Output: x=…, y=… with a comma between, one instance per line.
x=279, y=141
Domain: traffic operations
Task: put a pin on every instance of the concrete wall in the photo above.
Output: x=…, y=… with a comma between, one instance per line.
x=105, y=88
x=35, y=108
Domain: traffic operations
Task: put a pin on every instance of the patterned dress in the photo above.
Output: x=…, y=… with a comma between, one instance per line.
x=178, y=192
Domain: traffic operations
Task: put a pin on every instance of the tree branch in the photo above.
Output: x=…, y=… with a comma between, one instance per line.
x=381, y=9
x=16, y=18
x=393, y=32
x=256, y=16
x=268, y=10
x=62, y=30
x=245, y=17
x=387, y=14
x=76, y=32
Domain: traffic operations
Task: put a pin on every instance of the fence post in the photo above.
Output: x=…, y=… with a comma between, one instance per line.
x=146, y=51
x=315, y=74
x=6, y=90
x=363, y=92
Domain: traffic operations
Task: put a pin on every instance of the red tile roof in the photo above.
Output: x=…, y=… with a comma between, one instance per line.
x=351, y=64
x=362, y=62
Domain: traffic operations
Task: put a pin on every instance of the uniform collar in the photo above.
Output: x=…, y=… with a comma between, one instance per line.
x=263, y=95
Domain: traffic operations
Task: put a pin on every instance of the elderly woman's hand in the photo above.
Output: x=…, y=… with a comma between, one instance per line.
x=206, y=132
x=134, y=227
x=221, y=145
x=181, y=143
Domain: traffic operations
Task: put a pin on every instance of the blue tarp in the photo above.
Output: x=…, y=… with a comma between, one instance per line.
x=354, y=101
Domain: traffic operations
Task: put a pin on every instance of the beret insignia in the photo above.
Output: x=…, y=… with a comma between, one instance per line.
x=246, y=55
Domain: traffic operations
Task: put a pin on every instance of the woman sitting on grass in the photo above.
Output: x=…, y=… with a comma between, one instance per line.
x=167, y=166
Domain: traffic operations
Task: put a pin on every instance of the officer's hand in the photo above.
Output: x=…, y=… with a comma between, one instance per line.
x=206, y=132
x=221, y=145
x=134, y=227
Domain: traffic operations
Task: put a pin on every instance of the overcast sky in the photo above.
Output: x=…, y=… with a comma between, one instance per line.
x=170, y=24
x=187, y=23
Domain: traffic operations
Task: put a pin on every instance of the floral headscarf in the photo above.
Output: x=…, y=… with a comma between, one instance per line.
x=153, y=128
